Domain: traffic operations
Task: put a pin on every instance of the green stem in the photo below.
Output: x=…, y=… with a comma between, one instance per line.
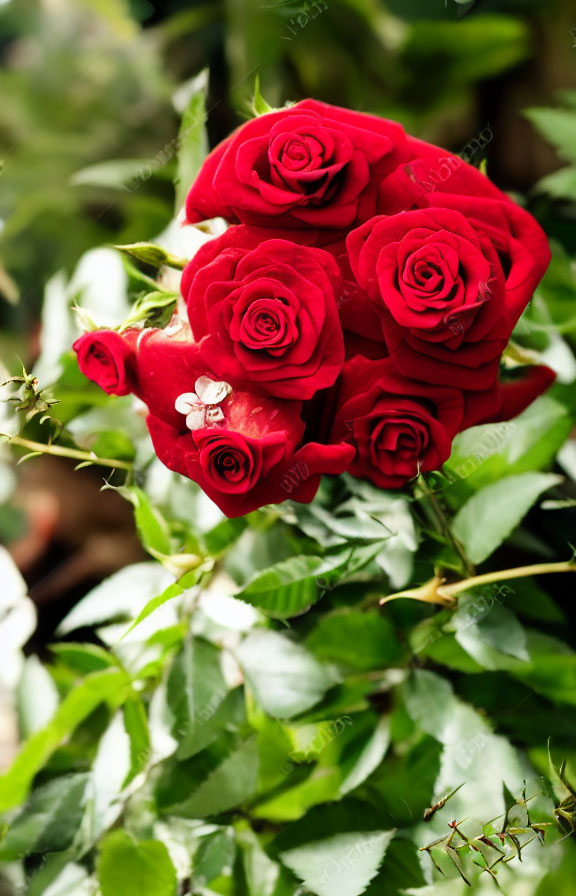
x=75, y=454
x=519, y=572
x=436, y=592
x=444, y=525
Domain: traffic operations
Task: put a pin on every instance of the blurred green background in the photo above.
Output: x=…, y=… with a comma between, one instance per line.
x=91, y=90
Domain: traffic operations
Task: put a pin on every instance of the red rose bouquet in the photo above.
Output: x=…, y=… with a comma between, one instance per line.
x=351, y=318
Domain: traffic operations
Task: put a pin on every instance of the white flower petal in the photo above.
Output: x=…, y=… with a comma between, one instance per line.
x=196, y=419
x=187, y=402
x=210, y=391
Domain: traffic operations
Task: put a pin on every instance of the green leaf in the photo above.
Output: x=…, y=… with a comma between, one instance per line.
x=188, y=580
x=489, y=516
x=284, y=676
x=291, y=587
x=121, y=596
x=259, y=104
x=321, y=786
x=551, y=670
x=37, y=697
x=558, y=126
x=215, y=854
x=49, y=821
x=152, y=527
x=112, y=443
x=153, y=255
x=113, y=173
x=135, y=869
x=262, y=875
x=465, y=51
x=58, y=876
x=485, y=454
x=230, y=785
x=471, y=752
x=110, y=771
x=489, y=632
x=560, y=184
x=284, y=590
x=196, y=693
x=368, y=759
x=192, y=139
x=337, y=636
x=224, y=534
x=342, y=865
x=83, y=658
x=107, y=686
x=154, y=308
x=136, y=724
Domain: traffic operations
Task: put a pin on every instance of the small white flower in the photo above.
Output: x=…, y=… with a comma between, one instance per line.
x=201, y=407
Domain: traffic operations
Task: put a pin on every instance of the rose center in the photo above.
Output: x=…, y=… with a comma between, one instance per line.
x=293, y=154
x=424, y=274
x=296, y=155
x=228, y=464
x=265, y=325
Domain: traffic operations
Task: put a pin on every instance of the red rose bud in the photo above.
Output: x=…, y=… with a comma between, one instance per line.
x=108, y=358
x=398, y=427
x=264, y=312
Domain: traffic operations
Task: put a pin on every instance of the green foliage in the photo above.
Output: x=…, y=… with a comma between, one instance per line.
x=237, y=714
x=489, y=516
x=136, y=869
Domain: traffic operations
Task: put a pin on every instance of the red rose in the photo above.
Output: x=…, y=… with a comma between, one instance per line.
x=107, y=358
x=399, y=427
x=439, y=289
x=520, y=243
x=312, y=164
x=242, y=472
x=233, y=464
x=265, y=313
x=431, y=169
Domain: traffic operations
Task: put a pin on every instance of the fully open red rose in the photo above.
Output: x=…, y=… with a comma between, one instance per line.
x=312, y=164
x=399, y=427
x=242, y=472
x=440, y=291
x=107, y=359
x=265, y=312
x=520, y=243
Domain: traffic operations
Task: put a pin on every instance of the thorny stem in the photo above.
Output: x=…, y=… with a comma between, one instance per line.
x=436, y=592
x=75, y=454
x=518, y=572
